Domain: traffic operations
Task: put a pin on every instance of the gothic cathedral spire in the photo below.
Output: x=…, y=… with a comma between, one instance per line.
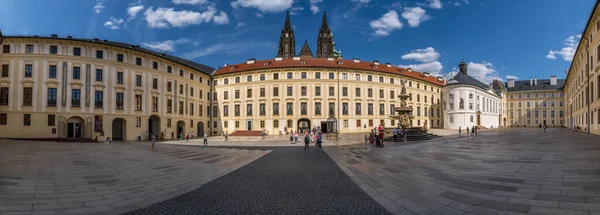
x=287, y=43
x=325, y=40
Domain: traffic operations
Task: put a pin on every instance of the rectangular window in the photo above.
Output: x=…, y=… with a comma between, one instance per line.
x=290, y=75
x=331, y=108
x=28, y=70
x=380, y=79
x=345, y=108
x=138, y=122
x=237, y=94
x=358, y=110
x=237, y=124
x=180, y=107
x=3, y=118
x=262, y=77
x=225, y=95
x=76, y=51
x=98, y=75
x=357, y=77
x=138, y=102
x=26, y=119
x=237, y=80
x=262, y=92
x=303, y=75
x=289, y=91
x=369, y=78
x=317, y=91
x=76, y=73
x=381, y=109
x=331, y=75
x=317, y=75
x=170, y=106
x=290, y=108
x=98, y=99
x=138, y=80
x=249, y=78
x=191, y=110
x=225, y=111
x=138, y=61
x=51, y=71
x=370, y=109
x=155, y=83
x=262, y=110
x=119, y=101
x=331, y=91
x=119, y=77
x=357, y=92
x=75, y=98
x=318, y=108
x=303, y=109
x=276, y=109
x=200, y=109
x=191, y=76
x=27, y=96
x=5, y=70
x=53, y=50
x=275, y=76
x=275, y=91
x=236, y=110
x=380, y=93
x=155, y=65
x=154, y=104
x=99, y=54
x=249, y=109
x=170, y=87
x=51, y=101
x=120, y=57
x=370, y=93
x=6, y=49
x=303, y=90
x=51, y=120
x=344, y=91
x=392, y=94
x=358, y=123
x=226, y=81
x=248, y=93
x=276, y=123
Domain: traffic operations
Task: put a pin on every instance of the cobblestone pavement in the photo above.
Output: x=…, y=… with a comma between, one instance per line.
x=506, y=171
x=78, y=178
x=286, y=181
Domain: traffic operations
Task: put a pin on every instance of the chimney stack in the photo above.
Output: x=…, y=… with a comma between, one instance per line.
x=530, y=81
x=511, y=83
x=552, y=80
x=535, y=80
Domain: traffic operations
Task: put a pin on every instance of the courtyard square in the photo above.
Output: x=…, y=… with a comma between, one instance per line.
x=500, y=171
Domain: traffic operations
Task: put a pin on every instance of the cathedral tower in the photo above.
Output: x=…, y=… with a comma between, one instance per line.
x=287, y=43
x=325, y=42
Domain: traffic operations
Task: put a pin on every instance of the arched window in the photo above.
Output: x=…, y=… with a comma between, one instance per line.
x=451, y=119
x=470, y=95
x=461, y=104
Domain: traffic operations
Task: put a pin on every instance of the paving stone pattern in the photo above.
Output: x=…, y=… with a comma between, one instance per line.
x=505, y=171
x=286, y=181
x=81, y=178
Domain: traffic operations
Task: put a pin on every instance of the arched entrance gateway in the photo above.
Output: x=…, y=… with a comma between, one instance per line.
x=154, y=125
x=303, y=124
x=200, y=129
x=118, y=129
x=180, y=128
x=75, y=127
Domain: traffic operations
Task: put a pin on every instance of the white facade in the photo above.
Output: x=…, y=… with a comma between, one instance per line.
x=468, y=106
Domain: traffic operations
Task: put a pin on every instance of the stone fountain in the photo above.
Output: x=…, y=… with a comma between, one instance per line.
x=404, y=116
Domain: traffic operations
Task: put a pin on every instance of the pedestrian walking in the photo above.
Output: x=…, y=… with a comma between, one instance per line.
x=205, y=139
x=459, y=131
x=371, y=138
x=467, y=131
x=172, y=135
x=292, y=137
x=319, y=140
x=296, y=136
x=404, y=134
x=226, y=135
x=187, y=137
x=153, y=141
x=192, y=135
x=540, y=128
x=475, y=129
x=395, y=134
x=545, y=126
x=306, y=142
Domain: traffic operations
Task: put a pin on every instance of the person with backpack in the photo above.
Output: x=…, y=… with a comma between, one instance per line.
x=205, y=139
x=319, y=140
x=306, y=142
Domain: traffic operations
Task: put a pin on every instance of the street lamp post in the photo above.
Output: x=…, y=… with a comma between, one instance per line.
x=338, y=98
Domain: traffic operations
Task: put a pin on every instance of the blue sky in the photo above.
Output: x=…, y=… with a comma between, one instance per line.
x=498, y=38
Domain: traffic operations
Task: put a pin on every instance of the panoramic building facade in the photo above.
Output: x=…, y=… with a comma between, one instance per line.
x=582, y=90
x=536, y=102
x=52, y=87
x=468, y=102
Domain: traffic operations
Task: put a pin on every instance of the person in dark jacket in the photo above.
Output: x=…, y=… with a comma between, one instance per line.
x=319, y=140
x=306, y=142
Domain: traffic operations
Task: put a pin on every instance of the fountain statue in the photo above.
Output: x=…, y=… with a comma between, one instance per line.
x=404, y=116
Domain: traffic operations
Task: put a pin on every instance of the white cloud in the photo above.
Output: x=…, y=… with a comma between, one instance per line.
x=483, y=72
x=230, y=48
x=241, y=24
x=428, y=56
x=414, y=16
x=568, y=52
x=265, y=6
x=435, y=4
x=192, y=2
x=113, y=23
x=511, y=77
x=133, y=10
x=456, y=4
x=168, y=17
x=99, y=6
x=166, y=46
x=295, y=10
x=433, y=68
x=362, y=1
x=386, y=24
x=423, y=55
x=314, y=8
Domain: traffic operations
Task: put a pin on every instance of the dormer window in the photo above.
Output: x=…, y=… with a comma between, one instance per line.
x=231, y=68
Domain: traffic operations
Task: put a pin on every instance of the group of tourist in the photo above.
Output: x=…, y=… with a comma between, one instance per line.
x=400, y=133
x=473, y=131
x=540, y=126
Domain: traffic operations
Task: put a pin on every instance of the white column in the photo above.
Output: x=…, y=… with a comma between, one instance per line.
x=83, y=92
x=20, y=85
x=45, y=88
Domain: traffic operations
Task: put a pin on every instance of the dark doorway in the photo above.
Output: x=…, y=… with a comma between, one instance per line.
x=154, y=125
x=118, y=129
x=74, y=127
x=200, y=129
x=323, y=127
x=303, y=124
x=249, y=125
x=181, y=129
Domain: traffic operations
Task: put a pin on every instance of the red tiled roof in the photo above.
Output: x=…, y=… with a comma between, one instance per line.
x=324, y=62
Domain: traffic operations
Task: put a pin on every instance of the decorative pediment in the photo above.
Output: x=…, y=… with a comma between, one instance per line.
x=99, y=85
x=52, y=83
x=275, y=100
x=138, y=91
x=357, y=99
x=331, y=99
x=318, y=99
x=76, y=84
x=262, y=100
x=120, y=88
x=304, y=99
x=169, y=96
x=370, y=100
x=155, y=93
x=4, y=82
x=289, y=99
